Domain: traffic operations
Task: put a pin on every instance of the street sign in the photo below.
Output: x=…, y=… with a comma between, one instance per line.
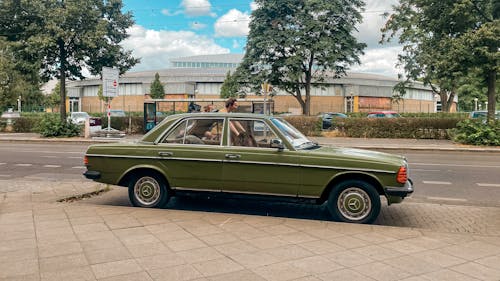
x=110, y=82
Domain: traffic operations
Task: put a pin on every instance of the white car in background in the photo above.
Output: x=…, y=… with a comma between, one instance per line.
x=78, y=117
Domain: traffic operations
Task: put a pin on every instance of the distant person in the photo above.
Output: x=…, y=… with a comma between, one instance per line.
x=209, y=108
x=231, y=105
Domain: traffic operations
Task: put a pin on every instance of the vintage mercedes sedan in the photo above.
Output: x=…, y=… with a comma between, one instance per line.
x=252, y=155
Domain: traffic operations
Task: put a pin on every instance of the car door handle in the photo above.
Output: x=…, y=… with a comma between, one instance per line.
x=233, y=156
x=165, y=154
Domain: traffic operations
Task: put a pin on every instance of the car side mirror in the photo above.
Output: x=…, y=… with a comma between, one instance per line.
x=277, y=143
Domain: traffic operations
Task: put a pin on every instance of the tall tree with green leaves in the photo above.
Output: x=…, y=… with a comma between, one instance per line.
x=444, y=40
x=63, y=37
x=295, y=44
x=156, y=90
x=230, y=87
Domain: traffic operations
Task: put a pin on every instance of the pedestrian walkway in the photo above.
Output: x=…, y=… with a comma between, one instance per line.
x=41, y=239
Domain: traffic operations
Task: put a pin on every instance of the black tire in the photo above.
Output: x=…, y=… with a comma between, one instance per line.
x=354, y=201
x=148, y=190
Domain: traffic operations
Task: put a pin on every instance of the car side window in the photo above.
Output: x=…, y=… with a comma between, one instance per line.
x=196, y=131
x=250, y=133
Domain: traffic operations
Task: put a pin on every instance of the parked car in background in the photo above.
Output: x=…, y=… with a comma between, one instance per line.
x=78, y=117
x=249, y=155
x=329, y=119
x=117, y=113
x=483, y=114
x=383, y=114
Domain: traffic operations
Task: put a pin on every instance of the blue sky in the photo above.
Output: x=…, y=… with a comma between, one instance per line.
x=166, y=29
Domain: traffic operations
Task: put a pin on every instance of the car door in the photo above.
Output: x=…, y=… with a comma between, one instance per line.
x=191, y=154
x=250, y=164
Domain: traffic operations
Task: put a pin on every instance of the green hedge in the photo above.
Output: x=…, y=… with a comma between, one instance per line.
x=415, y=128
x=308, y=125
x=477, y=132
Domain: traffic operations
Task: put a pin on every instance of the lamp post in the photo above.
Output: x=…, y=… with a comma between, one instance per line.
x=486, y=105
x=475, y=103
x=19, y=104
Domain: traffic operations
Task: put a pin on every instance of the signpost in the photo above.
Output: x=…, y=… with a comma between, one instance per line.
x=109, y=88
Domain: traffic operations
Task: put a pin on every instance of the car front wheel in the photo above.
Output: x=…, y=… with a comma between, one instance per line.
x=354, y=201
x=148, y=191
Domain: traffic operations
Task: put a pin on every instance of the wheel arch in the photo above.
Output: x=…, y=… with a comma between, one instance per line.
x=351, y=176
x=144, y=169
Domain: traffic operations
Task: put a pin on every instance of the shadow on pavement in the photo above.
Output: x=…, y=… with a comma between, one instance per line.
x=119, y=197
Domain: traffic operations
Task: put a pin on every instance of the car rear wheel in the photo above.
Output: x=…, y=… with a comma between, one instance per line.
x=148, y=191
x=354, y=201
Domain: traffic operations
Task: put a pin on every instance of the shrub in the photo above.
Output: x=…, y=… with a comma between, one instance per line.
x=308, y=125
x=26, y=124
x=51, y=126
x=418, y=128
x=477, y=132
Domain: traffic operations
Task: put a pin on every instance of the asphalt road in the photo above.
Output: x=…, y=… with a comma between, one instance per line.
x=447, y=177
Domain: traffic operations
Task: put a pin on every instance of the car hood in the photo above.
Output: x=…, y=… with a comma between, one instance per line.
x=357, y=154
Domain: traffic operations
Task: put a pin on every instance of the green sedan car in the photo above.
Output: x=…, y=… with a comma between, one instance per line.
x=232, y=154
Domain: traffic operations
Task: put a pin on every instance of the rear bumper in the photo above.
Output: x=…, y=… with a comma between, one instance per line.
x=92, y=175
x=401, y=192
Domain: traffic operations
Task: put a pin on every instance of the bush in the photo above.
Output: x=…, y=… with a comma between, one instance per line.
x=51, y=126
x=477, y=132
x=416, y=128
x=26, y=124
x=308, y=125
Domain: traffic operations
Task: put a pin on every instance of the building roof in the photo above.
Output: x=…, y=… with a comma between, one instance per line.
x=219, y=58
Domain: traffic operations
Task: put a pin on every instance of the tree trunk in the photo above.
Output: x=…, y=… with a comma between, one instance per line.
x=62, y=70
x=492, y=80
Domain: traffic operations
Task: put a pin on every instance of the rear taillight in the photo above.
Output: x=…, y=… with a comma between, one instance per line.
x=402, y=176
x=85, y=160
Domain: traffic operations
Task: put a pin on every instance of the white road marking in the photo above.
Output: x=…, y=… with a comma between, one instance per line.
x=52, y=166
x=48, y=156
x=75, y=157
x=3, y=163
x=489, y=184
x=447, y=199
x=5, y=176
x=425, y=170
x=437, y=182
x=24, y=165
x=78, y=167
x=453, y=165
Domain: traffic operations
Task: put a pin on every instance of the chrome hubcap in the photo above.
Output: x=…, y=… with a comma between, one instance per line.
x=354, y=203
x=147, y=191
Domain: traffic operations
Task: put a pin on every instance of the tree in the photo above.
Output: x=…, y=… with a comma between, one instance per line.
x=295, y=44
x=64, y=37
x=230, y=87
x=444, y=40
x=54, y=98
x=157, y=91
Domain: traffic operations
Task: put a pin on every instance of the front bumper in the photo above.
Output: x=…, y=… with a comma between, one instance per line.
x=397, y=194
x=92, y=175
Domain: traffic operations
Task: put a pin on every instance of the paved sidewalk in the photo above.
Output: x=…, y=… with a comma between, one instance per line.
x=41, y=239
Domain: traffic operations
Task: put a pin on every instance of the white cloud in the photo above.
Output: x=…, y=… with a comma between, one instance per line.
x=232, y=24
x=196, y=8
x=381, y=61
x=236, y=44
x=373, y=21
x=197, y=25
x=166, y=12
x=253, y=6
x=156, y=48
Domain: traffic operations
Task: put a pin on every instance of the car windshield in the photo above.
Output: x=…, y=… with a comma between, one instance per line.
x=294, y=136
x=80, y=115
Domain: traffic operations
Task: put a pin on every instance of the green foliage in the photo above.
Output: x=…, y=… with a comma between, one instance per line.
x=294, y=44
x=477, y=132
x=308, y=125
x=230, y=87
x=26, y=124
x=414, y=128
x=445, y=41
x=60, y=38
x=52, y=126
x=157, y=91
